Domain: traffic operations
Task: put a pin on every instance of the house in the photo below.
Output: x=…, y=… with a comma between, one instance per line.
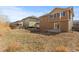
x=31, y=22
x=28, y=22
x=76, y=25
x=17, y=25
x=58, y=20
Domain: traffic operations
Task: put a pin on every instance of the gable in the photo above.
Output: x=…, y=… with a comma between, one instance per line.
x=56, y=10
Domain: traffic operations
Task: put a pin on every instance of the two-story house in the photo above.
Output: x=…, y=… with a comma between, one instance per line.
x=58, y=20
x=30, y=21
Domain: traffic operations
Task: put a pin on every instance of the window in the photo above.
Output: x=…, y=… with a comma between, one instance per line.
x=56, y=26
x=54, y=15
x=63, y=13
x=58, y=14
x=51, y=16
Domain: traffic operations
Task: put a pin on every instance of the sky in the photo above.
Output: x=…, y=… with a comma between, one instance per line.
x=15, y=13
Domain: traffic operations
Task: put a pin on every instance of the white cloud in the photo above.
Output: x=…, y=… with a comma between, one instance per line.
x=16, y=13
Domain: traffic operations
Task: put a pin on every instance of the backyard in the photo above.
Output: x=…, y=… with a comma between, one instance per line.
x=24, y=40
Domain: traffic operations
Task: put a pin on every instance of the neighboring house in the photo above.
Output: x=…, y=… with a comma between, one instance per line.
x=58, y=20
x=76, y=25
x=30, y=22
x=17, y=24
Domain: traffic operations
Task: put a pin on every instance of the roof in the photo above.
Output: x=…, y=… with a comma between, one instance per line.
x=44, y=15
x=33, y=17
x=61, y=9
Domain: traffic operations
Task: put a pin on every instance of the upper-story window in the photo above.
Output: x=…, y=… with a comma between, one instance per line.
x=54, y=15
x=58, y=14
x=63, y=13
x=51, y=16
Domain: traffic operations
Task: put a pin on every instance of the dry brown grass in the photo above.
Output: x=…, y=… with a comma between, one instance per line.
x=24, y=40
x=15, y=46
x=4, y=26
x=61, y=49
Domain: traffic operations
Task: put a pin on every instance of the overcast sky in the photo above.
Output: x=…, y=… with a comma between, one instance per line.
x=15, y=13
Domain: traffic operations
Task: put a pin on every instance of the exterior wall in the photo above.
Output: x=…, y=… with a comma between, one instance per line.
x=63, y=25
x=29, y=22
x=26, y=23
x=44, y=23
x=32, y=24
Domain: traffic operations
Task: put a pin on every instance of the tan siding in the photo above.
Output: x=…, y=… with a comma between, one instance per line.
x=64, y=26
